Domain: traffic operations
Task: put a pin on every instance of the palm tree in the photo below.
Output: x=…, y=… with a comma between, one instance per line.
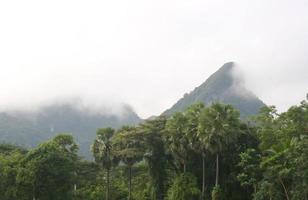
x=176, y=139
x=219, y=125
x=129, y=149
x=193, y=115
x=102, y=152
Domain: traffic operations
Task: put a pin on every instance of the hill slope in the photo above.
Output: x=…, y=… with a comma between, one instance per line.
x=30, y=128
x=222, y=86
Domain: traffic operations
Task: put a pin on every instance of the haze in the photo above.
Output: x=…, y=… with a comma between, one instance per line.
x=149, y=53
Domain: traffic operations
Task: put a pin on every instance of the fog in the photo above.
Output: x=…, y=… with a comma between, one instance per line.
x=148, y=53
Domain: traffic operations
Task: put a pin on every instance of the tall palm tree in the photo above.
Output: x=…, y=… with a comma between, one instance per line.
x=129, y=149
x=176, y=139
x=102, y=152
x=219, y=125
x=193, y=116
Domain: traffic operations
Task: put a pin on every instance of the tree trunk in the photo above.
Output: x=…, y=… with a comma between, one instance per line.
x=108, y=185
x=75, y=185
x=203, y=176
x=217, y=169
x=184, y=166
x=130, y=184
x=284, y=188
x=33, y=192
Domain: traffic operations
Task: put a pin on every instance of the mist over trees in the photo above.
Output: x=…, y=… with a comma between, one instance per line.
x=82, y=118
x=29, y=128
x=204, y=152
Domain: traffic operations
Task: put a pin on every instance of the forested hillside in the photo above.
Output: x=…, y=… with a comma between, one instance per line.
x=30, y=128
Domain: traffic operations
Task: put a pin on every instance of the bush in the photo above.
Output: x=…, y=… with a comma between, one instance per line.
x=184, y=187
x=217, y=193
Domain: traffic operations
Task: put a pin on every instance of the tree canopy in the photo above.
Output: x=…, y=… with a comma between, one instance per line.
x=204, y=152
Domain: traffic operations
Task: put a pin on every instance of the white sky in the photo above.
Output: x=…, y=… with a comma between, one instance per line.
x=149, y=53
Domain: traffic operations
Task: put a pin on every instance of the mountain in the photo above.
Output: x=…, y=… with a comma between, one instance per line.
x=223, y=86
x=30, y=128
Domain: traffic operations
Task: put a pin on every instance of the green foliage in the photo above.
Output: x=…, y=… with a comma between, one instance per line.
x=48, y=172
x=217, y=193
x=298, y=156
x=155, y=155
x=251, y=171
x=267, y=159
x=192, y=115
x=184, y=187
x=9, y=168
x=103, y=153
x=6, y=149
x=219, y=125
x=177, y=141
x=128, y=145
x=129, y=148
x=282, y=139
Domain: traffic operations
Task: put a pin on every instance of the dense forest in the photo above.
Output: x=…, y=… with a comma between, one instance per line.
x=204, y=152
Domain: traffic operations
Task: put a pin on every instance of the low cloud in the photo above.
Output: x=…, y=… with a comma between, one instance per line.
x=148, y=53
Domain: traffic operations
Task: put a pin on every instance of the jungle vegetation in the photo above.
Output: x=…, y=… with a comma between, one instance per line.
x=204, y=152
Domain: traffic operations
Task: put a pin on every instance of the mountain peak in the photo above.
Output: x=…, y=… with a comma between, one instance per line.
x=227, y=66
x=223, y=86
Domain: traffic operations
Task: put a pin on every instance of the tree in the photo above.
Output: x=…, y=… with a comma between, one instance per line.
x=102, y=152
x=298, y=156
x=250, y=166
x=267, y=126
x=48, y=171
x=184, y=187
x=193, y=117
x=155, y=156
x=283, y=143
x=10, y=157
x=129, y=149
x=177, y=141
x=219, y=125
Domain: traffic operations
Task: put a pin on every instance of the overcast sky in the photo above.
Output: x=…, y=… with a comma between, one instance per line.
x=149, y=53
